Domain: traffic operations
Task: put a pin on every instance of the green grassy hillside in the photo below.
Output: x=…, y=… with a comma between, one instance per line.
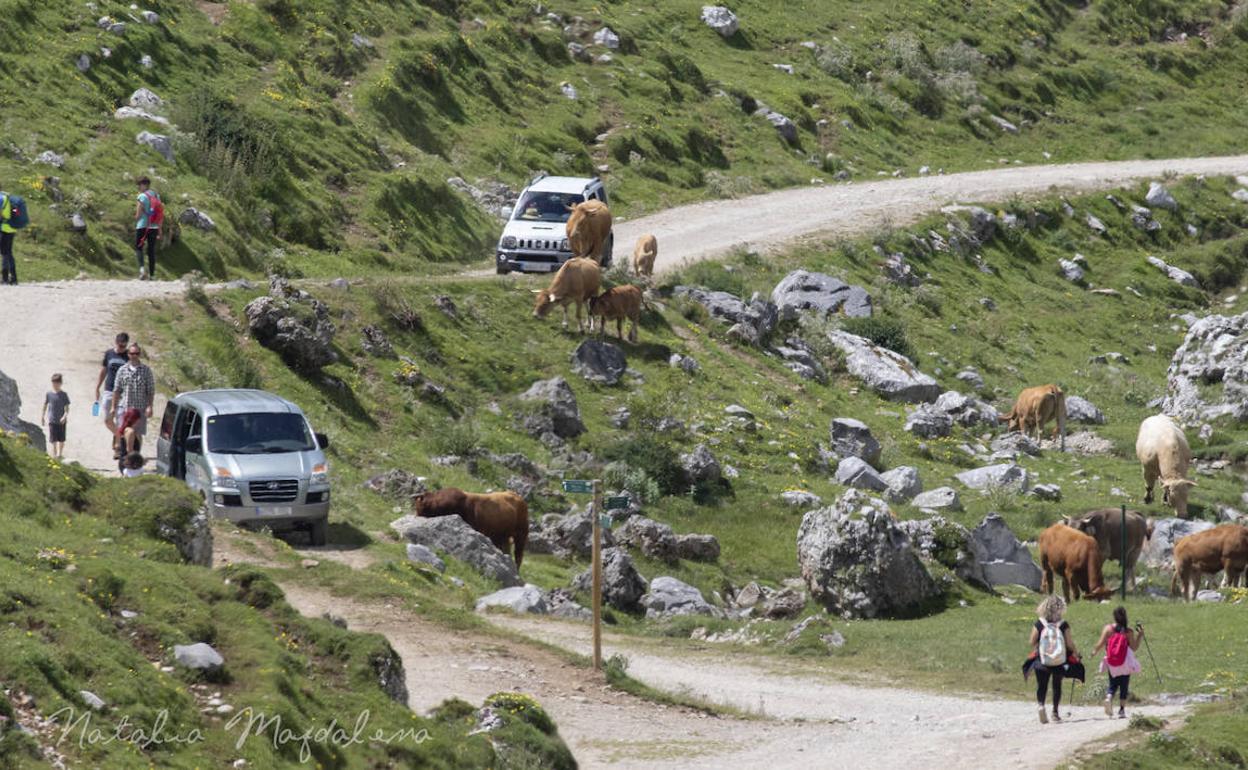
x=1043, y=329
x=319, y=135
x=91, y=599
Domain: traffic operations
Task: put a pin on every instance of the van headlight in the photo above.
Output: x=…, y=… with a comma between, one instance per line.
x=221, y=477
x=508, y=242
x=320, y=475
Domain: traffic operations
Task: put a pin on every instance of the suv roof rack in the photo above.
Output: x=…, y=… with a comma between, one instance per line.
x=539, y=177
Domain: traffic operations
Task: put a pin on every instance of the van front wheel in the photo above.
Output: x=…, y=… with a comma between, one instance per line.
x=319, y=534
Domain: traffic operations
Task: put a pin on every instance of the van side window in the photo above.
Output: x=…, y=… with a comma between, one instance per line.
x=166, y=422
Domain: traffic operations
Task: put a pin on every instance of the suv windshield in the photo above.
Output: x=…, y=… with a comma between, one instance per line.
x=259, y=433
x=546, y=206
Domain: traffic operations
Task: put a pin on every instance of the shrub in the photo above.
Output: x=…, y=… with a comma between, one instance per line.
x=523, y=707
x=634, y=480
x=837, y=59
x=888, y=333
x=461, y=438
x=653, y=457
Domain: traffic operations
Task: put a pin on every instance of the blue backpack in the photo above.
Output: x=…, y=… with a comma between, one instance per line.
x=19, y=217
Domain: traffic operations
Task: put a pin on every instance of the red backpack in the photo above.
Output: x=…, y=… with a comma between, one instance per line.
x=1116, y=648
x=155, y=210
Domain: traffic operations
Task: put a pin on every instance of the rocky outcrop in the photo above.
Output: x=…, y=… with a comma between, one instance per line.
x=294, y=325
x=1004, y=559
x=622, y=585
x=891, y=375
x=858, y=563
x=1001, y=476
x=1080, y=409
x=801, y=291
x=1178, y=275
x=669, y=597
x=557, y=410
x=454, y=536
x=720, y=19
x=852, y=438
x=947, y=543
x=939, y=499
x=518, y=599
x=599, y=361
x=1208, y=375
x=752, y=321
x=10, y=411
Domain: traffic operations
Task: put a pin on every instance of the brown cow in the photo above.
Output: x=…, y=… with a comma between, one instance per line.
x=577, y=281
x=588, y=229
x=500, y=516
x=1164, y=454
x=1075, y=557
x=644, y=252
x=619, y=303
x=1036, y=406
x=1105, y=524
x=1221, y=549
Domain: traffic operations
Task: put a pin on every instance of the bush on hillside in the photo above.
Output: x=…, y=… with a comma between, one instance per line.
x=886, y=332
x=658, y=460
x=151, y=505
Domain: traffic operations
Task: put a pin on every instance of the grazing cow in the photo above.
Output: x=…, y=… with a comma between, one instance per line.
x=619, y=303
x=1075, y=557
x=1105, y=524
x=644, y=252
x=500, y=516
x=1221, y=549
x=1034, y=407
x=588, y=229
x=1164, y=454
x=577, y=281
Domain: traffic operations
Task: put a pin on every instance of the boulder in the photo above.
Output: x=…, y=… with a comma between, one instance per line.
x=557, y=402
x=145, y=99
x=654, y=539
x=800, y=359
x=197, y=219
x=1158, y=550
x=929, y=422
x=799, y=498
x=622, y=586
x=50, y=158
x=375, y=342
x=939, y=499
x=421, y=554
x=1084, y=442
x=606, y=37
x=158, y=142
x=134, y=113
x=1082, y=410
x=599, y=361
x=1159, y=197
x=520, y=599
x=192, y=538
x=1004, y=559
x=1001, y=476
x=971, y=378
x=948, y=543
x=783, y=604
x=1096, y=225
x=1070, y=270
x=454, y=536
x=573, y=535
x=198, y=657
x=720, y=19
x=700, y=466
x=966, y=410
x=858, y=563
x=1050, y=492
x=397, y=484
x=891, y=375
x=757, y=318
x=387, y=666
x=854, y=472
x=1208, y=595
x=83, y=62
x=903, y=483
x=669, y=597
x=1208, y=375
x=1003, y=124
x=297, y=329
x=1015, y=444
x=562, y=604
x=852, y=438
x=10, y=411
x=802, y=291
x=695, y=547
x=93, y=701
x=1179, y=276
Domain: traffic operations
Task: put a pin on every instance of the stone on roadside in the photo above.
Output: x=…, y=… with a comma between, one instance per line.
x=520, y=599
x=622, y=585
x=669, y=597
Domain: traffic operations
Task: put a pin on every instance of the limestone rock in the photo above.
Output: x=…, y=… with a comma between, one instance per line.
x=854, y=472
x=557, y=402
x=599, y=361
x=939, y=499
x=852, y=438
x=518, y=599
x=891, y=375
x=454, y=536
x=720, y=19
x=802, y=291
x=669, y=597
x=1005, y=560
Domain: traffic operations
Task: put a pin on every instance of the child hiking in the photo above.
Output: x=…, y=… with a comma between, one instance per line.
x=55, y=415
x=1120, y=644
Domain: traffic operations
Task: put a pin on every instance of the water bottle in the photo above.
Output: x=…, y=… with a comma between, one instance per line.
x=95, y=409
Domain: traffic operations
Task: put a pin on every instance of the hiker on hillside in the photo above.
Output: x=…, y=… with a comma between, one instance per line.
x=1052, y=648
x=55, y=415
x=8, y=267
x=1120, y=644
x=134, y=388
x=149, y=215
x=114, y=358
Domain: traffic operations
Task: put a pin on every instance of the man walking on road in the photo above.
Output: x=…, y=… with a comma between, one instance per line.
x=114, y=358
x=134, y=388
x=148, y=216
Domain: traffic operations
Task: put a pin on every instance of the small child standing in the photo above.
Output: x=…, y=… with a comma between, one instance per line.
x=1120, y=644
x=133, y=465
x=55, y=415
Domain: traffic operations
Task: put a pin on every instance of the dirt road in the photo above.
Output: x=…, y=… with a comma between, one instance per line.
x=765, y=222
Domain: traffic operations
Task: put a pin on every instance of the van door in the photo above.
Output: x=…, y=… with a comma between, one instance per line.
x=164, y=440
x=183, y=423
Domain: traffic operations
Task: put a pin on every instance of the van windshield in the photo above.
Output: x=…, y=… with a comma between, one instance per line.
x=259, y=433
x=546, y=206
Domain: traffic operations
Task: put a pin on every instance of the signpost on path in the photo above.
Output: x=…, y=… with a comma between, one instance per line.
x=583, y=486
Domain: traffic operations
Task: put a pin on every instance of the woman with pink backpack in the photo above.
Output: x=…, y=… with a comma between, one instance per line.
x=1120, y=644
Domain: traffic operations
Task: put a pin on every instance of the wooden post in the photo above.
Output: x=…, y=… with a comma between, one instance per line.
x=597, y=567
x=1123, y=553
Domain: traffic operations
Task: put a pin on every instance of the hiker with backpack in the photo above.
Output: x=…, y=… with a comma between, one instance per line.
x=1120, y=644
x=149, y=216
x=1052, y=655
x=13, y=217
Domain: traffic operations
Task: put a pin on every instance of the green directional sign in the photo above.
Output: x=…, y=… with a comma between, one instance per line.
x=604, y=520
x=581, y=486
x=617, y=503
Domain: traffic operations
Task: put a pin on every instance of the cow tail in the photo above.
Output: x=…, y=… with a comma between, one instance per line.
x=519, y=540
x=1061, y=418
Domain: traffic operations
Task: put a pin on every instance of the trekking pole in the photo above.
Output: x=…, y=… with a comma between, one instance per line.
x=1153, y=660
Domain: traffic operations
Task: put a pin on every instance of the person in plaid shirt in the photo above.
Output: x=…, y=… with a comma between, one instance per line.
x=134, y=388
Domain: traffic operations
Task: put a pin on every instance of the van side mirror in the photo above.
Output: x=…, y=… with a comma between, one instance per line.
x=195, y=445
x=322, y=440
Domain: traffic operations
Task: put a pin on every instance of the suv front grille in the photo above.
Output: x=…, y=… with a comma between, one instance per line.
x=538, y=243
x=276, y=491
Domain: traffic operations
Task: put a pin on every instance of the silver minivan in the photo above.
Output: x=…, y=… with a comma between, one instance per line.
x=251, y=454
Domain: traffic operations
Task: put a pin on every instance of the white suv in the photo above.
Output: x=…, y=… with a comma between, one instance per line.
x=535, y=237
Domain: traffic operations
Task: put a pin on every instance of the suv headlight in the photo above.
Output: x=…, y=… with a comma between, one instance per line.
x=563, y=245
x=320, y=474
x=508, y=242
x=221, y=477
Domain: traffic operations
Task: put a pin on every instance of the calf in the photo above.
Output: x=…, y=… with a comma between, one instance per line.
x=577, y=281
x=1036, y=406
x=644, y=252
x=619, y=303
x=1075, y=557
x=1221, y=549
